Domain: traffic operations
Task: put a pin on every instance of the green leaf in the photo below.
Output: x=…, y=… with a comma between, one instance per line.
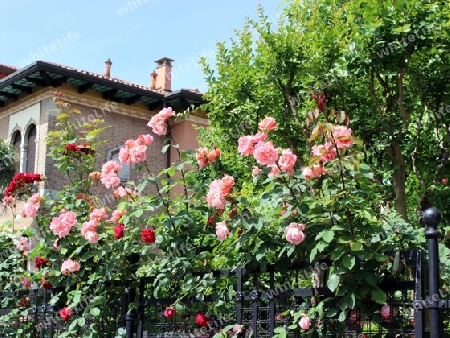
x=328, y=236
x=138, y=213
x=171, y=171
x=164, y=149
x=356, y=246
x=95, y=311
x=349, y=262
x=378, y=295
x=333, y=282
x=342, y=316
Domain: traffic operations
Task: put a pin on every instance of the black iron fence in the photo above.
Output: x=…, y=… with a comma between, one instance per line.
x=262, y=301
x=256, y=302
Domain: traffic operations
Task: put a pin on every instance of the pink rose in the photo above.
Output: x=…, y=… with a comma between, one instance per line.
x=29, y=210
x=314, y=172
x=342, y=137
x=166, y=113
x=215, y=197
x=98, y=214
x=117, y=215
x=305, y=322
x=8, y=200
x=92, y=237
x=255, y=171
x=275, y=170
x=222, y=230
x=259, y=137
x=26, y=283
x=23, y=244
x=62, y=224
x=90, y=225
x=69, y=266
x=144, y=140
x=227, y=182
x=245, y=145
x=109, y=176
x=386, y=313
x=68, y=219
x=294, y=233
x=138, y=154
x=213, y=155
x=110, y=180
x=327, y=152
x=287, y=160
x=110, y=167
x=95, y=175
x=158, y=125
x=35, y=199
x=265, y=153
x=201, y=157
x=269, y=123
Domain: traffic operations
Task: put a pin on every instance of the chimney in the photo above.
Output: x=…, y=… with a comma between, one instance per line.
x=153, y=80
x=108, y=64
x=164, y=74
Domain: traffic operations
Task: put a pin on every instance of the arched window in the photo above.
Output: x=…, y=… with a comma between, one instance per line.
x=17, y=142
x=31, y=149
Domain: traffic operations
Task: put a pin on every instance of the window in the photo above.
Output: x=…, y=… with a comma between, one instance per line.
x=124, y=173
x=31, y=149
x=17, y=143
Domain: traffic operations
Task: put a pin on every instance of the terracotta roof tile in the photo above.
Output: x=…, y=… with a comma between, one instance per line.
x=112, y=79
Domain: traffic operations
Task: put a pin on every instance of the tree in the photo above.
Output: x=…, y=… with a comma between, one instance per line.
x=384, y=64
x=8, y=160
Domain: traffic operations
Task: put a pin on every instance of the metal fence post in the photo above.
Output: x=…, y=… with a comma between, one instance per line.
x=130, y=316
x=432, y=217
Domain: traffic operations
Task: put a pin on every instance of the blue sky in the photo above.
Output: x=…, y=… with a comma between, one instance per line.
x=133, y=33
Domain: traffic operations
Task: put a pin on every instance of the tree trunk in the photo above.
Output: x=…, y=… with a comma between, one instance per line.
x=398, y=178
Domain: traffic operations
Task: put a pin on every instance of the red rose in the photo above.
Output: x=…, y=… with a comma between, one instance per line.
x=65, y=313
x=71, y=147
x=148, y=236
x=169, y=312
x=19, y=180
x=201, y=320
x=210, y=221
x=444, y=181
x=23, y=301
x=118, y=231
x=87, y=149
x=41, y=262
x=46, y=285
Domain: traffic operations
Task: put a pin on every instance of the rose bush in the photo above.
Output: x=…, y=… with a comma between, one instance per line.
x=329, y=208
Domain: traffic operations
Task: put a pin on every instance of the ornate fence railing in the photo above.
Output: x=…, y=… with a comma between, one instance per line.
x=262, y=301
x=259, y=301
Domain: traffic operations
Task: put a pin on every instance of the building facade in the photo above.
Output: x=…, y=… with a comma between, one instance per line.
x=28, y=113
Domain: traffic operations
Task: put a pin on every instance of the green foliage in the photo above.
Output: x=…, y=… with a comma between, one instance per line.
x=8, y=161
x=354, y=213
